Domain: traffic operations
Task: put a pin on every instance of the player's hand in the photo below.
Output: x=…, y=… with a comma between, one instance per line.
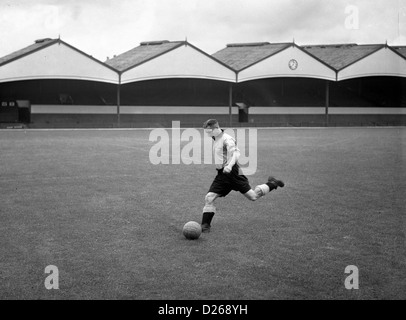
x=227, y=169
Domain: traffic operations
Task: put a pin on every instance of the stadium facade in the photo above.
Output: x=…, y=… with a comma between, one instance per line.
x=53, y=84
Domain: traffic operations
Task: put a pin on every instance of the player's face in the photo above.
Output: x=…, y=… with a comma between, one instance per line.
x=209, y=131
x=212, y=132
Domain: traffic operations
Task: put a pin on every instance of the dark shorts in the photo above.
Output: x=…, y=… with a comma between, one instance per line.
x=225, y=182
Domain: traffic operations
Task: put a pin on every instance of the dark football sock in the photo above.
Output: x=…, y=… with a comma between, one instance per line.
x=207, y=217
x=271, y=186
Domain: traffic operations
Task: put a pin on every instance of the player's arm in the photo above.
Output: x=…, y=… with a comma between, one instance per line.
x=234, y=155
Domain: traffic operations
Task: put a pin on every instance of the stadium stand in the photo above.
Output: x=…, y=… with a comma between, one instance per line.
x=173, y=77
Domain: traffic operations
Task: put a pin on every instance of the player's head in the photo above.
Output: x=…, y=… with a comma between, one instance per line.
x=211, y=127
x=211, y=124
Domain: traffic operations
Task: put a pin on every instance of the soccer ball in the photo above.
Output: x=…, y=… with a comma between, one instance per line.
x=192, y=230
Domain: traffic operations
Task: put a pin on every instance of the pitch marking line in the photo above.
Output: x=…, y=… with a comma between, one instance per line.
x=226, y=127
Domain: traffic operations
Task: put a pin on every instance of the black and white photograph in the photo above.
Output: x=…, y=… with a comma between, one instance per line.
x=207, y=157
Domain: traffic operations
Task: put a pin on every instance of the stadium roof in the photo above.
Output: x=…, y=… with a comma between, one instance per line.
x=353, y=61
x=400, y=49
x=38, y=45
x=260, y=60
x=169, y=59
x=144, y=52
x=340, y=56
x=243, y=55
x=54, y=58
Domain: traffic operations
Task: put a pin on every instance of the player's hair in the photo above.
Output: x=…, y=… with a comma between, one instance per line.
x=211, y=123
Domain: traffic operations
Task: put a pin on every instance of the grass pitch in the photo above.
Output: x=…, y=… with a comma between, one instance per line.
x=91, y=203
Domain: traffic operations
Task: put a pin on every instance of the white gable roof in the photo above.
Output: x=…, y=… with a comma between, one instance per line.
x=290, y=62
x=181, y=61
x=384, y=62
x=55, y=60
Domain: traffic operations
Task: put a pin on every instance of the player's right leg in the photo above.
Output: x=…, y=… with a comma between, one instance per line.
x=209, y=210
x=262, y=189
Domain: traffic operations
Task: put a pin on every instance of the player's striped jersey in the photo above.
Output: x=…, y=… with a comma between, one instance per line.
x=224, y=146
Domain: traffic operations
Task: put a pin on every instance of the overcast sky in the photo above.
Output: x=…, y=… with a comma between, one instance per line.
x=103, y=28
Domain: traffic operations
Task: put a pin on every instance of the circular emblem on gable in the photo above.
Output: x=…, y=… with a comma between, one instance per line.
x=293, y=64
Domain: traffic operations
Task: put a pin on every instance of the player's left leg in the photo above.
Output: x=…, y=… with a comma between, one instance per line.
x=220, y=187
x=209, y=210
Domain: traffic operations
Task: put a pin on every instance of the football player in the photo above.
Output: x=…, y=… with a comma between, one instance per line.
x=228, y=177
